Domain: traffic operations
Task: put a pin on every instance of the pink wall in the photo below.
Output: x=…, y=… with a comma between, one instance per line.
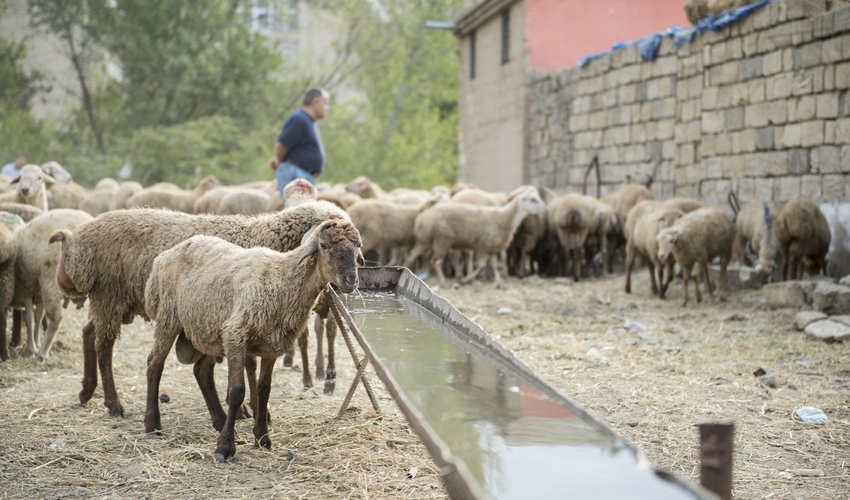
x=560, y=32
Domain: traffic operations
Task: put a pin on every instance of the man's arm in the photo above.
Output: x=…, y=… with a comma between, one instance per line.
x=279, y=155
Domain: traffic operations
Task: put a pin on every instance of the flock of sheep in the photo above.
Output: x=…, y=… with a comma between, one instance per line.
x=234, y=272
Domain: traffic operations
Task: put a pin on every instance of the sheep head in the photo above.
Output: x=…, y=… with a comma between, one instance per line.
x=667, y=239
x=337, y=243
x=31, y=180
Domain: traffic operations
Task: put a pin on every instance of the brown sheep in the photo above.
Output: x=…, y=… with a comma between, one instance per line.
x=697, y=238
x=803, y=234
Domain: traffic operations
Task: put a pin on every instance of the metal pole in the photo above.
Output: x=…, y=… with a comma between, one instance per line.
x=715, y=453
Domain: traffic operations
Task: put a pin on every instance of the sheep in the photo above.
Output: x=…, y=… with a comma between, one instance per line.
x=802, y=233
x=32, y=186
x=125, y=190
x=697, y=238
x=364, y=188
x=684, y=204
x=388, y=226
x=25, y=212
x=754, y=223
x=8, y=253
x=234, y=302
x=35, y=275
x=480, y=197
x=70, y=195
x=486, y=230
x=166, y=196
x=232, y=200
x=57, y=171
x=109, y=259
x=529, y=235
x=645, y=220
x=100, y=198
x=573, y=217
x=622, y=200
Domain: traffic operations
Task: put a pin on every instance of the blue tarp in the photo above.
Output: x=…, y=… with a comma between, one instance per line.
x=648, y=46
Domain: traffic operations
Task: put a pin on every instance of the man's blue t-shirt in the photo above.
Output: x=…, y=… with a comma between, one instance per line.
x=303, y=143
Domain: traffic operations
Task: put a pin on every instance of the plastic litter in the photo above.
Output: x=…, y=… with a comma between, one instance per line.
x=812, y=415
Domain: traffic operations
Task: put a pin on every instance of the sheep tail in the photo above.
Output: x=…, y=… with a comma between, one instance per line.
x=69, y=289
x=60, y=235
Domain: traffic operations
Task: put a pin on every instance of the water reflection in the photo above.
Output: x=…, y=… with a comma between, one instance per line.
x=515, y=440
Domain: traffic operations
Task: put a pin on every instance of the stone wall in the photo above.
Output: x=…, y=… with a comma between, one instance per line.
x=761, y=107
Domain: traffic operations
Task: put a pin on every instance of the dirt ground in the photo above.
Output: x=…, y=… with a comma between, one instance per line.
x=649, y=368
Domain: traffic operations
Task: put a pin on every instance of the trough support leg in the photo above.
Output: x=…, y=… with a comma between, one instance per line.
x=338, y=316
x=361, y=368
x=716, y=458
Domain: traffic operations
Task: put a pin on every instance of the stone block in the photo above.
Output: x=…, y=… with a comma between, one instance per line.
x=812, y=133
x=842, y=130
x=786, y=188
x=831, y=298
x=734, y=118
x=788, y=294
x=752, y=67
x=772, y=63
x=805, y=318
x=825, y=159
x=764, y=138
x=827, y=105
x=802, y=108
x=808, y=55
x=792, y=135
x=810, y=187
x=779, y=86
x=744, y=141
x=739, y=277
x=828, y=330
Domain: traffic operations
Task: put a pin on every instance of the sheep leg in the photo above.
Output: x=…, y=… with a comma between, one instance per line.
x=204, y=371
x=704, y=271
x=4, y=349
x=104, y=345
x=164, y=336
x=330, y=378
x=264, y=386
x=226, y=447
x=474, y=270
x=695, y=271
x=28, y=321
x=319, y=328
x=670, y=275
x=686, y=277
x=306, y=376
x=654, y=276
x=251, y=374
x=721, y=289
x=89, y=363
x=55, y=317
x=630, y=262
x=17, y=321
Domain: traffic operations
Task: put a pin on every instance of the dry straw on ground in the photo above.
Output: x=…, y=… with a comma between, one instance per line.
x=649, y=368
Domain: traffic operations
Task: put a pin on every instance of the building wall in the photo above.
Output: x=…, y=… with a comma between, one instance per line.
x=761, y=107
x=561, y=32
x=492, y=136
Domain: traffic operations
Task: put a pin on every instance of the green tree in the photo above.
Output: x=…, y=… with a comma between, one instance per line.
x=21, y=132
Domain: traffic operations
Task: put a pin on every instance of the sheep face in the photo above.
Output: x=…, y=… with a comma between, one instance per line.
x=337, y=244
x=531, y=202
x=666, y=240
x=31, y=180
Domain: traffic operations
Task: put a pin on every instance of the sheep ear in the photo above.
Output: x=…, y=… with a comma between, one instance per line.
x=308, y=234
x=310, y=246
x=48, y=180
x=361, y=261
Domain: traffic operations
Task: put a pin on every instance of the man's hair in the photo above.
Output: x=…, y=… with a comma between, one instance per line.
x=312, y=94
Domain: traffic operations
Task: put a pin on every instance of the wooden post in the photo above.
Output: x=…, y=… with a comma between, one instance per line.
x=715, y=453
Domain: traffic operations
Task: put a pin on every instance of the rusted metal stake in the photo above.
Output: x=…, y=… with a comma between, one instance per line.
x=715, y=454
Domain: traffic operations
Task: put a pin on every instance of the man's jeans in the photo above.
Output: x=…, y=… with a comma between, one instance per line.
x=287, y=172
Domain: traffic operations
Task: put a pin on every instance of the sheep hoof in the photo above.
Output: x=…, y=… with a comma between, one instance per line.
x=264, y=442
x=220, y=458
x=330, y=385
x=243, y=414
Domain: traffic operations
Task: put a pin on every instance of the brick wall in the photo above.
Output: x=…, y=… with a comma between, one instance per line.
x=761, y=107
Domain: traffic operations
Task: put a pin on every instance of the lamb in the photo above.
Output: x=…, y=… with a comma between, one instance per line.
x=622, y=200
x=697, y=238
x=754, y=223
x=803, y=234
x=529, y=235
x=174, y=199
x=32, y=187
x=35, y=275
x=645, y=220
x=109, y=259
x=486, y=230
x=234, y=302
x=573, y=217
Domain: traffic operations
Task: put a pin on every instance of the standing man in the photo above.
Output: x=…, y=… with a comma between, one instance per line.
x=13, y=170
x=299, y=152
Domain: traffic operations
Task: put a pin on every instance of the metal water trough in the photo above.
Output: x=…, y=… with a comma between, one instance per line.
x=494, y=429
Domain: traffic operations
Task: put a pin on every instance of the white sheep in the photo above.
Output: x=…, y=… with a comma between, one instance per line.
x=57, y=171
x=8, y=253
x=573, y=217
x=109, y=259
x=36, y=289
x=234, y=302
x=695, y=239
x=459, y=226
x=100, y=198
x=363, y=187
x=645, y=220
x=125, y=190
x=32, y=186
x=754, y=223
x=70, y=195
x=167, y=195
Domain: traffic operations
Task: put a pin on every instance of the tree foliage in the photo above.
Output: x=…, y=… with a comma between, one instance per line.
x=20, y=131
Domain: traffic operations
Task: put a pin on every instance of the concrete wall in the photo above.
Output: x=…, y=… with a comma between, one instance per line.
x=761, y=107
x=492, y=138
